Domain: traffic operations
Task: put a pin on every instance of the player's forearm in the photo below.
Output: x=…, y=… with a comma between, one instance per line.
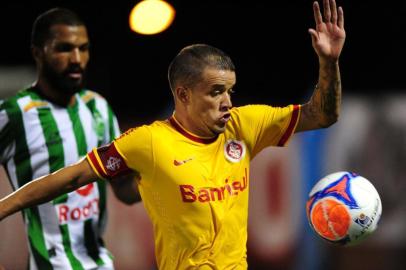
x=44, y=189
x=323, y=108
x=328, y=94
x=326, y=100
x=35, y=192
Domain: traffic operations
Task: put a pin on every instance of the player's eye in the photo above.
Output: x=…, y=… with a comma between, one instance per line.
x=63, y=47
x=215, y=93
x=84, y=47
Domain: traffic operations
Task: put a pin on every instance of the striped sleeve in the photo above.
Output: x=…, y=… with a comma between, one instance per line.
x=107, y=162
x=113, y=125
x=6, y=136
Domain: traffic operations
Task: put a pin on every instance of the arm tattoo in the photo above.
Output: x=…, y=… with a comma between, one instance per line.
x=326, y=99
x=74, y=183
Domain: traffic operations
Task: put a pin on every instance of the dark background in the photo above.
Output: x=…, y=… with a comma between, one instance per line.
x=268, y=41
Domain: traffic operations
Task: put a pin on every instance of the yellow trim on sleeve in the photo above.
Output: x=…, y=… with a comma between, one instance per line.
x=94, y=150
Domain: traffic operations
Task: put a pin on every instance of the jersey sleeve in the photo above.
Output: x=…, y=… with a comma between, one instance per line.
x=106, y=123
x=107, y=162
x=132, y=151
x=6, y=135
x=114, y=129
x=265, y=126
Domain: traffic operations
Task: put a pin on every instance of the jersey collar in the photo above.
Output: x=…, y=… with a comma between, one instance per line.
x=175, y=124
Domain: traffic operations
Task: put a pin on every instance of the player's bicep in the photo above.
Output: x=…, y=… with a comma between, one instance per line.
x=75, y=175
x=87, y=174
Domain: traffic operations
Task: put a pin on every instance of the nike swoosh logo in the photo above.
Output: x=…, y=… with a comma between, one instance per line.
x=181, y=162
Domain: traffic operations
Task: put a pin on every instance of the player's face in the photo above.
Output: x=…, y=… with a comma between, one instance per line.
x=64, y=58
x=211, y=101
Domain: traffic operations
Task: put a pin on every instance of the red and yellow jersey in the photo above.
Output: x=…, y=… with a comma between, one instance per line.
x=196, y=189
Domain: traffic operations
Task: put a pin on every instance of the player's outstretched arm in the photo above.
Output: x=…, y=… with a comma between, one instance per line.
x=46, y=188
x=328, y=39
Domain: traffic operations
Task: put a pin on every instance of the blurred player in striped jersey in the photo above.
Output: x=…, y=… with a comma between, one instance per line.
x=194, y=166
x=50, y=125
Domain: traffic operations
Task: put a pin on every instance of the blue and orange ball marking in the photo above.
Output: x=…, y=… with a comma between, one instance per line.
x=330, y=219
x=328, y=209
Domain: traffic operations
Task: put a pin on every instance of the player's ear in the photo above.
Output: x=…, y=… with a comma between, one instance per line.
x=182, y=94
x=36, y=53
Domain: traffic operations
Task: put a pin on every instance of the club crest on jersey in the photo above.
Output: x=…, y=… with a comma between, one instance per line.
x=234, y=150
x=113, y=164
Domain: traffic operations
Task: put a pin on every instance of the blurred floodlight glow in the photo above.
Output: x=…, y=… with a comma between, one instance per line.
x=150, y=17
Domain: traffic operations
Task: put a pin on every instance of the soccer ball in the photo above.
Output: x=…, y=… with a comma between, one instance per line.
x=343, y=208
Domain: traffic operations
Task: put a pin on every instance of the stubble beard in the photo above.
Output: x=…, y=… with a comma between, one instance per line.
x=61, y=83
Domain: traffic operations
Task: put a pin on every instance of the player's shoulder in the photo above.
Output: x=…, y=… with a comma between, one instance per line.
x=11, y=104
x=258, y=108
x=255, y=113
x=156, y=127
x=87, y=95
x=247, y=109
x=162, y=127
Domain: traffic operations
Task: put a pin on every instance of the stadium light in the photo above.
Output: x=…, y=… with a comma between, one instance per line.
x=150, y=17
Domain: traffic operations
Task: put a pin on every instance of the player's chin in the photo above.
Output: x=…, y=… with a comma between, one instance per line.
x=72, y=85
x=74, y=82
x=219, y=128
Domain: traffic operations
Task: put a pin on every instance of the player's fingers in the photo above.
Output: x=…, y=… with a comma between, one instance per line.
x=327, y=11
x=316, y=12
x=340, y=17
x=333, y=11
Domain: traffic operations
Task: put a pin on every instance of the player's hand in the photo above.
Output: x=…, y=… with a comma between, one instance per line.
x=329, y=36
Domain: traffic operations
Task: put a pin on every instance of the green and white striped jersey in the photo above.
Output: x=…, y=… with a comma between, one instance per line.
x=37, y=138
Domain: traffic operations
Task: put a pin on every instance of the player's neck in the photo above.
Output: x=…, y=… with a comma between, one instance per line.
x=47, y=91
x=189, y=126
